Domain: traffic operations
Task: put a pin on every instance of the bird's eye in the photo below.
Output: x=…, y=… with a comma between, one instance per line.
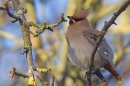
x=77, y=20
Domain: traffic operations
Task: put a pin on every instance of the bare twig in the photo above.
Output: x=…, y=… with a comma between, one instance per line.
x=45, y=26
x=52, y=80
x=44, y=83
x=103, y=32
x=15, y=17
x=25, y=50
x=14, y=73
x=38, y=77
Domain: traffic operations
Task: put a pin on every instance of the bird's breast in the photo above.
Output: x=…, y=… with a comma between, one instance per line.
x=79, y=51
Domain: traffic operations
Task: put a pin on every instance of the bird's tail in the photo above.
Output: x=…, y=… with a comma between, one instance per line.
x=119, y=79
x=112, y=70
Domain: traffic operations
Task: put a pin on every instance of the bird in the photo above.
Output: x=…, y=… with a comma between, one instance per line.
x=81, y=39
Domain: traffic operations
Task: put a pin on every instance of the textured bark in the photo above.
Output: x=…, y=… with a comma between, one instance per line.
x=26, y=37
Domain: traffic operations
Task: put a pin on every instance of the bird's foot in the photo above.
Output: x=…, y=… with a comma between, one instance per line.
x=92, y=72
x=86, y=75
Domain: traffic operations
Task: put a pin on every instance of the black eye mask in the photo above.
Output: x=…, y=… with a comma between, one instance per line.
x=70, y=22
x=75, y=20
x=80, y=19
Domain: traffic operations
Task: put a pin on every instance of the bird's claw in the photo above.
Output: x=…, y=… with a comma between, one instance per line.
x=86, y=75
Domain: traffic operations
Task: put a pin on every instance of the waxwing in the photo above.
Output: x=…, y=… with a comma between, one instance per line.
x=81, y=39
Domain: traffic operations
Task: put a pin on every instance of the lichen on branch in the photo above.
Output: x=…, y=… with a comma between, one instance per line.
x=44, y=26
x=25, y=29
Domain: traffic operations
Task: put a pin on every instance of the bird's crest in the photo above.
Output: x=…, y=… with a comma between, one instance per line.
x=82, y=14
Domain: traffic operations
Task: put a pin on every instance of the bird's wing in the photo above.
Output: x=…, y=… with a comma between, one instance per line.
x=104, y=49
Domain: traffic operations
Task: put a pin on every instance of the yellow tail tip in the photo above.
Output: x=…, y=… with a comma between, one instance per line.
x=120, y=81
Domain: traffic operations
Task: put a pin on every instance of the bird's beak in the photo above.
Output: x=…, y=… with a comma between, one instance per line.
x=70, y=17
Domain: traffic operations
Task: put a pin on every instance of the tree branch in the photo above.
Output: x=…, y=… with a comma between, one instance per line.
x=25, y=27
x=52, y=80
x=45, y=26
x=44, y=83
x=103, y=32
x=26, y=37
x=13, y=73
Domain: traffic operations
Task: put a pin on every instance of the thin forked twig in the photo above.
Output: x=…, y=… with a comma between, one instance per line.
x=103, y=32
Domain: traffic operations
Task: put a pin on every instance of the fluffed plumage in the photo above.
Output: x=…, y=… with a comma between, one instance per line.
x=81, y=39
